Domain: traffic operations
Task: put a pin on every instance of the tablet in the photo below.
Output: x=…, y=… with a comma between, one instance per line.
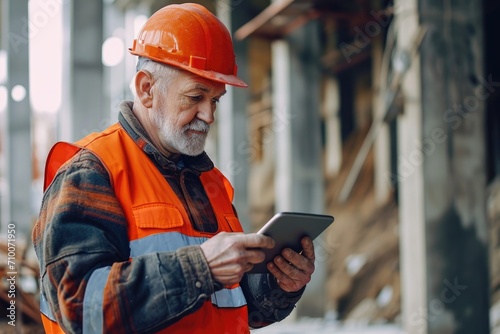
x=287, y=229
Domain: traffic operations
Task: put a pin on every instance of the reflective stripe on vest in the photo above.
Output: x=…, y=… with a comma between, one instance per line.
x=93, y=301
x=45, y=309
x=157, y=221
x=170, y=242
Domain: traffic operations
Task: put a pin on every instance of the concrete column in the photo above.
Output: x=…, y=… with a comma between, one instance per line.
x=411, y=193
x=17, y=133
x=296, y=112
x=134, y=18
x=331, y=110
x=116, y=83
x=233, y=159
x=84, y=109
x=441, y=170
x=382, y=161
x=331, y=107
x=454, y=90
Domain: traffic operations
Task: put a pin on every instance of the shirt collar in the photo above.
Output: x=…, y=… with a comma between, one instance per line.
x=133, y=127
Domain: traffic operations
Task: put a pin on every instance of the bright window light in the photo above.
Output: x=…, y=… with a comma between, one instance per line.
x=18, y=93
x=46, y=50
x=113, y=50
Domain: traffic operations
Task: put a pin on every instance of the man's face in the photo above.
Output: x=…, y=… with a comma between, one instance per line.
x=184, y=112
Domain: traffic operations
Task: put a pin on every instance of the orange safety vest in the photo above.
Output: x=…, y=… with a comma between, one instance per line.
x=157, y=221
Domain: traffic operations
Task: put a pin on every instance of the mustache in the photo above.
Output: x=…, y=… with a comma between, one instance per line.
x=198, y=125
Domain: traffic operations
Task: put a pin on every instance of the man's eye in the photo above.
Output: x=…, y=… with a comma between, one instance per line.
x=215, y=100
x=196, y=98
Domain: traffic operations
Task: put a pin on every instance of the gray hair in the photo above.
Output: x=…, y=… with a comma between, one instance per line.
x=162, y=74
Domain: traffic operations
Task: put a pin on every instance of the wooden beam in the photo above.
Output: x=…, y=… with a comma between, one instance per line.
x=263, y=18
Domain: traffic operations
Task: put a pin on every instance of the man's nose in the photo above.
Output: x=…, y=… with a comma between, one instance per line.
x=206, y=112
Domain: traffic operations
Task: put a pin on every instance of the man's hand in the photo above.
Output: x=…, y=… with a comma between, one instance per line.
x=230, y=255
x=293, y=270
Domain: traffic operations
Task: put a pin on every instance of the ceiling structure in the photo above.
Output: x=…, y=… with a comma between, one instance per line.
x=283, y=10
x=281, y=18
x=274, y=20
x=256, y=5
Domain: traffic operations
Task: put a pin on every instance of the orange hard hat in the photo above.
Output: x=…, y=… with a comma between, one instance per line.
x=190, y=37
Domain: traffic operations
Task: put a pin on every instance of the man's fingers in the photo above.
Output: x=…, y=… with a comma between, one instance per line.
x=255, y=256
x=255, y=240
x=292, y=270
x=308, y=248
x=298, y=261
x=230, y=255
x=277, y=272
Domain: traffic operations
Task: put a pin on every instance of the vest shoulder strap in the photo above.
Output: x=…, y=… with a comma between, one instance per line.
x=59, y=154
x=62, y=152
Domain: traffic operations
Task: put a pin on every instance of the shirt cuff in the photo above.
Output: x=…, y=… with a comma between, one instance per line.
x=196, y=270
x=291, y=297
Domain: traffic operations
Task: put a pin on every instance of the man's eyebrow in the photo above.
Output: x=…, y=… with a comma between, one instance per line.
x=206, y=89
x=202, y=88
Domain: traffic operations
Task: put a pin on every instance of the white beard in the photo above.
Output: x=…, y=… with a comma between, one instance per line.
x=178, y=139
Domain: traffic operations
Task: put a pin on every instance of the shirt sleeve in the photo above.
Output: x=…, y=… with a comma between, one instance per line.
x=267, y=302
x=86, y=274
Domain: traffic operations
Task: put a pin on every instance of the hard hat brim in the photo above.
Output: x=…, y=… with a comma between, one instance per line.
x=218, y=77
x=227, y=79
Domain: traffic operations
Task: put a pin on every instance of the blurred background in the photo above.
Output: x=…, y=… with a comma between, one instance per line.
x=384, y=114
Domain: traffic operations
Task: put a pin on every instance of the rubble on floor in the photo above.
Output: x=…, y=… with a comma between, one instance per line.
x=363, y=283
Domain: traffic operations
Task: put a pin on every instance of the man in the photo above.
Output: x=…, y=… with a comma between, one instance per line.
x=137, y=233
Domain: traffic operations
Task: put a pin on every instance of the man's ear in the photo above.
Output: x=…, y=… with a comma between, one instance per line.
x=143, y=87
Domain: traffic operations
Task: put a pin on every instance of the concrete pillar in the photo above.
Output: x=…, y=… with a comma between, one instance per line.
x=454, y=89
x=331, y=107
x=16, y=137
x=134, y=19
x=116, y=83
x=84, y=109
x=233, y=159
x=382, y=161
x=296, y=112
x=331, y=110
x=442, y=170
x=411, y=192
